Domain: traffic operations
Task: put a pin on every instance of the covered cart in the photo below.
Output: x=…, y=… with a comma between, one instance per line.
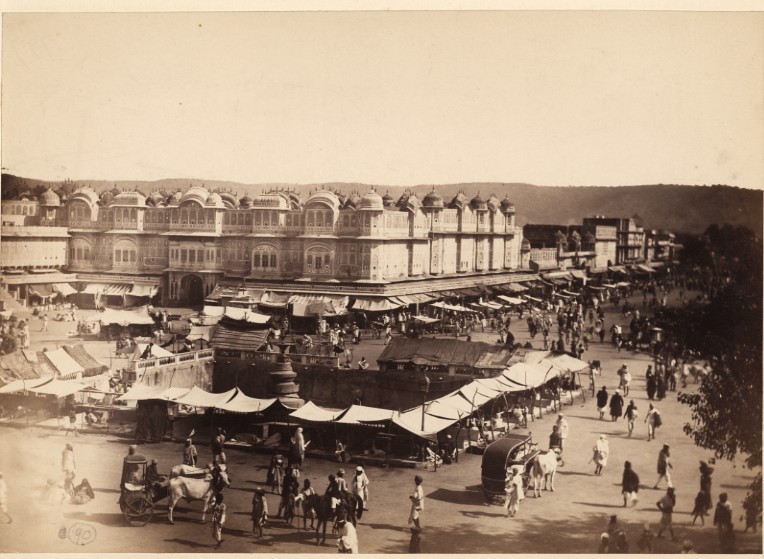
x=500, y=456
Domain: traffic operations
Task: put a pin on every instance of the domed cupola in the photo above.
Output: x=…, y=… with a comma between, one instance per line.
x=371, y=201
x=433, y=201
x=478, y=204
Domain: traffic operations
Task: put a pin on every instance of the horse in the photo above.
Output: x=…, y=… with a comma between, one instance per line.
x=544, y=465
x=196, y=489
x=321, y=506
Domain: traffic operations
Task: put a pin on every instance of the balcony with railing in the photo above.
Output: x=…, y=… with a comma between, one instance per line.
x=155, y=262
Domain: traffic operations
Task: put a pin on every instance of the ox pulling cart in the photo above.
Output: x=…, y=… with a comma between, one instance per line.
x=513, y=450
x=138, y=493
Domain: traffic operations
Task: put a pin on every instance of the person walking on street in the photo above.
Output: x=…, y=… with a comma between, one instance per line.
x=653, y=420
x=666, y=505
x=625, y=379
x=218, y=519
x=513, y=487
x=664, y=465
x=417, y=502
x=4, y=498
x=218, y=453
x=629, y=484
x=723, y=514
x=601, y=452
x=72, y=426
x=602, y=398
x=650, y=382
x=563, y=429
x=68, y=467
x=360, y=486
x=631, y=415
x=189, y=453
x=260, y=512
x=616, y=405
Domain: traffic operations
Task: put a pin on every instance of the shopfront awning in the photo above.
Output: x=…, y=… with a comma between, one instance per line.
x=122, y=317
x=64, y=289
x=644, y=268
x=116, y=289
x=19, y=385
x=246, y=315
x=312, y=412
x=411, y=421
x=241, y=403
x=510, y=300
x=578, y=274
x=618, y=269
x=359, y=415
x=199, y=398
x=375, y=304
x=200, y=333
x=43, y=290
x=143, y=290
x=60, y=388
x=64, y=363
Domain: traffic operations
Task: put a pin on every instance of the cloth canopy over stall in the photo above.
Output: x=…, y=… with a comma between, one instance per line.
x=156, y=352
x=200, y=333
x=19, y=385
x=359, y=415
x=64, y=364
x=241, y=403
x=411, y=421
x=88, y=363
x=314, y=413
x=375, y=304
x=60, y=388
x=116, y=289
x=139, y=316
x=199, y=398
x=64, y=289
x=227, y=336
x=511, y=300
x=246, y=315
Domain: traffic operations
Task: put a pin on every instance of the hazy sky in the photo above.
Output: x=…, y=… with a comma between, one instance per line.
x=404, y=98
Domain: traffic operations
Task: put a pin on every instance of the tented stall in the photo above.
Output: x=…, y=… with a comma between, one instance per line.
x=140, y=294
x=314, y=413
x=241, y=403
x=66, y=367
x=90, y=366
x=375, y=304
x=199, y=398
x=116, y=322
x=411, y=421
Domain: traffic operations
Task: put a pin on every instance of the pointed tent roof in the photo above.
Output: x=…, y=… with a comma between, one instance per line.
x=199, y=398
x=312, y=412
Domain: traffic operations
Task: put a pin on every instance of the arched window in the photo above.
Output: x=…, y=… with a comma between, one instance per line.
x=265, y=257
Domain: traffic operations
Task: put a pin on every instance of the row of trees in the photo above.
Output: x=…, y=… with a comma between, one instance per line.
x=727, y=407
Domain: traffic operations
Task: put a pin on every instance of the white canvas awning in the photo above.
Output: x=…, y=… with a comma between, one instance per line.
x=411, y=421
x=122, y=317
x=144, y=290
x=199, y=398
x=359, y=415
x=140, y=391
x=64, y=289
x=199, y=333
x=60, y=388
x=511, y=300
x=20, y=385
x=241, y=403
x=531, y=375
x=156, y=352
x=63, y=362
x=312, y=412
x=247, y=315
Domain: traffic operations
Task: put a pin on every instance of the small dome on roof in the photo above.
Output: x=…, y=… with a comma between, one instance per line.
x=388, y=200
x=214, y=200
x=49, y=198
x=478, y=203
x=197, y=194
x=433, y=200
x=372, y=201
x=129, y=198
x=115, y=190
x=525, y=245
x=506, y=205
x=412, y=203
x=245, y=202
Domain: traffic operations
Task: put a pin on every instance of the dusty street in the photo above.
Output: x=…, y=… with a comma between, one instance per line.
x=456, y=518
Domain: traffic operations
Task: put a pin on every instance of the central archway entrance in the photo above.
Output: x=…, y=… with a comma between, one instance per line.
x=191, y=290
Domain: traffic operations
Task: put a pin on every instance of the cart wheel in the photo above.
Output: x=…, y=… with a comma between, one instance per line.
x=138, y=510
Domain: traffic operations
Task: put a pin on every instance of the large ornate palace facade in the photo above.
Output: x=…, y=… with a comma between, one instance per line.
x=190, y=241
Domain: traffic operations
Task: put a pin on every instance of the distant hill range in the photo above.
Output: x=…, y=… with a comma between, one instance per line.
x=680, y=208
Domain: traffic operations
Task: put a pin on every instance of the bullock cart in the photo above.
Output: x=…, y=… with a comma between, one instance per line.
x=137, y=496
x=513, y=450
